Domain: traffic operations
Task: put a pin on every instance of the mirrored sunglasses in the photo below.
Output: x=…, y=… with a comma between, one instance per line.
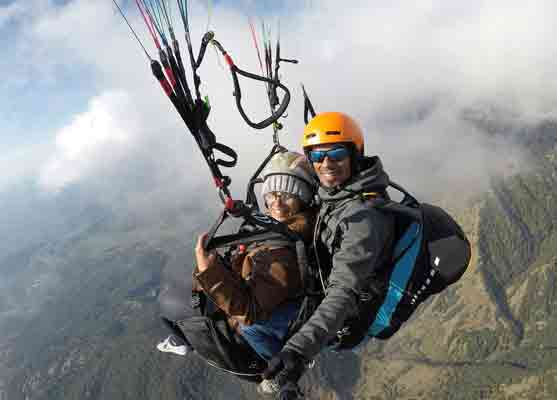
x=335, y=154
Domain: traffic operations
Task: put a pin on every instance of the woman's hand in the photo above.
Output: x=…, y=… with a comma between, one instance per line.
x=203, y=257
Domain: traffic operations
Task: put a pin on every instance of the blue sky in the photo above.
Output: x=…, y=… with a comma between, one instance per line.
x=68, y=91
x=72, y=75
x=50, y=78
x=39, y=102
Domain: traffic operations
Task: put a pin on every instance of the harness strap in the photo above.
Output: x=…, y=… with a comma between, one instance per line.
x=303, y=265
x=228, y=152
x=273, y=83
x=251, y=198
x=247, y=238
x=308, y=107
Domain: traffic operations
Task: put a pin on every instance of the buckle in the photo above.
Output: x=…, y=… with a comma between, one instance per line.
x=195, y=300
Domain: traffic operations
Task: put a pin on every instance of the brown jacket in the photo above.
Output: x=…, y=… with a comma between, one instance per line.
x=260, y=279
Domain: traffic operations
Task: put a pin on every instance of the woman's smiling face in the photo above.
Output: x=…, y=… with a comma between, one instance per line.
x=282, y=205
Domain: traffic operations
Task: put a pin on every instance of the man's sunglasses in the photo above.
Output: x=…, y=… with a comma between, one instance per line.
x=335, y=154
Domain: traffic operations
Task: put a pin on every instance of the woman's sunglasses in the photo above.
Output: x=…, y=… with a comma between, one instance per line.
x=335, y=154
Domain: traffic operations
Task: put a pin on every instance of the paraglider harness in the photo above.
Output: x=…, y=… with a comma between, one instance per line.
x=208, y=332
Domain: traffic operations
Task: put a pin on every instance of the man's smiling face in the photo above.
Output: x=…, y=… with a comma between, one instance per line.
x=332, y=172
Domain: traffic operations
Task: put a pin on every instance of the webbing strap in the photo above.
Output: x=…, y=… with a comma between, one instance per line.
x=308, y=107
x=303, y=265
x=247, y=238
x=228, y=152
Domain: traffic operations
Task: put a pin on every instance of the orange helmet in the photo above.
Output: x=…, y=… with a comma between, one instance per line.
x=333, y=127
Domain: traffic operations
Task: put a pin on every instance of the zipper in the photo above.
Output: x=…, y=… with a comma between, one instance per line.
x=316, y=233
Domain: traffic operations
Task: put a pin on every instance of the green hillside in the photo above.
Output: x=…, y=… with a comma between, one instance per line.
x=79, y=316
x=492, y=335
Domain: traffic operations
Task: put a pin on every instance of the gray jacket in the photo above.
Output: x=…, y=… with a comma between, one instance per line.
x=353, y=242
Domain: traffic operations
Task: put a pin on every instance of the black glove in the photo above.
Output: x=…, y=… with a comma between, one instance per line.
x=288, y=364
x=290, y=391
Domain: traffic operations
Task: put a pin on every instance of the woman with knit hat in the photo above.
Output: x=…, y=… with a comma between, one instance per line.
x=262, y=290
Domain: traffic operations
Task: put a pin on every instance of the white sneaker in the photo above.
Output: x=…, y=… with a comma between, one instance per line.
x=172, y=345
x=268, y=386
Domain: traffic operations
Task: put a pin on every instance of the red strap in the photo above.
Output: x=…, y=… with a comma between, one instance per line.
x=229, y=60
x=170, y=75
x=166, y=87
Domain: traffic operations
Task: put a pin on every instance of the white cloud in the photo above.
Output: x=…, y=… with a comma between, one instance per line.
x=21, y=162
x=93, y=139
x=407, y=71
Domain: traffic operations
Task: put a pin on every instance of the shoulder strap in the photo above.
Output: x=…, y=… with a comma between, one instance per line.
x=408, y=199
x=399, y=208
x=408, y=206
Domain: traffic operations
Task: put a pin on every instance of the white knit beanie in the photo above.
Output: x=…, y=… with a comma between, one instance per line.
x=289, y=172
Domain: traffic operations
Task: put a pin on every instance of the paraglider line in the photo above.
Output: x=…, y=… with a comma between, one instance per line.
x=148, y=22
x=154, y=14
x=254, y=36
x=133, y=31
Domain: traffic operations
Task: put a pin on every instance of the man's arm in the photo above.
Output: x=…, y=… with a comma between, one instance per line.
x=364, y=235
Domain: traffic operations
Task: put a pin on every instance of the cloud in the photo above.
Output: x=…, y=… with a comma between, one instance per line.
x=24, y=161
x=413, y=73
x=416, y=75
x=92, y=139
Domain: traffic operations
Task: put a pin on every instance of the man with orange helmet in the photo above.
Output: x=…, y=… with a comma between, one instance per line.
x=353, y=241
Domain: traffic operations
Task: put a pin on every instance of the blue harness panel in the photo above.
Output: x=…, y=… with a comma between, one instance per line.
x=409, y=244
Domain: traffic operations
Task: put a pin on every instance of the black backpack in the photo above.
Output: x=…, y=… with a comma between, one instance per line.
x=430, y=253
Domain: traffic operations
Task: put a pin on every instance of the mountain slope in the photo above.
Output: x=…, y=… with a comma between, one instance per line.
x=491, y=335
x=79, y=316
